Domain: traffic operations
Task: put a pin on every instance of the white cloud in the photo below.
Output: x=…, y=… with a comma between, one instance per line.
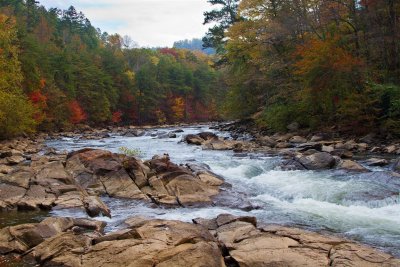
x=148, y=22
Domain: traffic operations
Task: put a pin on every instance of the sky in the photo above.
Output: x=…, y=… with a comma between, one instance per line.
x=150, y=23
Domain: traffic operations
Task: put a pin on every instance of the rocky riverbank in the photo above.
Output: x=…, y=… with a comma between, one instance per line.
x=311, y=152
x=34, y=177
x=224, y=241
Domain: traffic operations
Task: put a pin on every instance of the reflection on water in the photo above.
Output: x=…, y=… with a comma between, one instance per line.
x=17, y=217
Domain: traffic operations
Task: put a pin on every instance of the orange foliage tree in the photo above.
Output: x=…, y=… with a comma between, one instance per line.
x=330, y=73
x=77, y=113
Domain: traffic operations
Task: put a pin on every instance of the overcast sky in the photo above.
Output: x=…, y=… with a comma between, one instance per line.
x=149, y=22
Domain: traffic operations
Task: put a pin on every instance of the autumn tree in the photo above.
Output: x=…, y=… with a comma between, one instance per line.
x=15, y=110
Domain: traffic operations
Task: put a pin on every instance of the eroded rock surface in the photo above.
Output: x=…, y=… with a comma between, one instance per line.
x=78, y=179
x=246, y=245
x=224, y=241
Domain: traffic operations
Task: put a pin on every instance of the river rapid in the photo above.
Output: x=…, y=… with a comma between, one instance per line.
x=363, y=207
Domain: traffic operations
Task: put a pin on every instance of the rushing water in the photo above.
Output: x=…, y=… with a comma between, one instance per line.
x=364, y=207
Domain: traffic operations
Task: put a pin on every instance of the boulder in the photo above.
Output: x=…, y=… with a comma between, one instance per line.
x=193, y=139
x=266, y=141
x=317, y=161
x=94, y=206
x=174, y=184
x=135, y=133
x=310, y=145
x=208, y=135
x=297, y=139
x=327, y=149
x=376, y=162
x=390, y=149
x=350, y=165
x=216, y=144
x=102, y=170
x=291, y=165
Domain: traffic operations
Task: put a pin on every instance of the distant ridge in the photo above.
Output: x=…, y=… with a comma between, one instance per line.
x=195, y=44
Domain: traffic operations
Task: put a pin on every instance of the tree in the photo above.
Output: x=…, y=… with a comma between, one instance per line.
x=15, y=110
x=224, y=17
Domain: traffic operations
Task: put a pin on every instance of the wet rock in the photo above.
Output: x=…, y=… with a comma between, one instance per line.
x=193, y=139
x=216, y=144
x=310, y=145
x=396, y=165
x=208, y=135
x=317, y=161
x=135, y=133
x=266, y=141
x=172, y=135
x=94, y=206
x=327, y=149
x=376, y=162
x=291, y=165
x=350, y=165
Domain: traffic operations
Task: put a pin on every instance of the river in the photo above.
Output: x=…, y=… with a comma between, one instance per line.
x=363, y=207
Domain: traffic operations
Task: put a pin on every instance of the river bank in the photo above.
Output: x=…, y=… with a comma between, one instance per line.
x=233, y=176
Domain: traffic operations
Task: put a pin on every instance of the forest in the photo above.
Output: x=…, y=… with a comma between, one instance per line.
x=322, y=64
x=57, y=70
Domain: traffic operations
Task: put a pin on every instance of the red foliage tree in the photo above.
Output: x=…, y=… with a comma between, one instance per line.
x=169, y=51
x=39, y=101
x=116, y=117
x=77, y=113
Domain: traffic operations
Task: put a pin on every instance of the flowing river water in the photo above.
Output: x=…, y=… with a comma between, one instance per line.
x=363, y=207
